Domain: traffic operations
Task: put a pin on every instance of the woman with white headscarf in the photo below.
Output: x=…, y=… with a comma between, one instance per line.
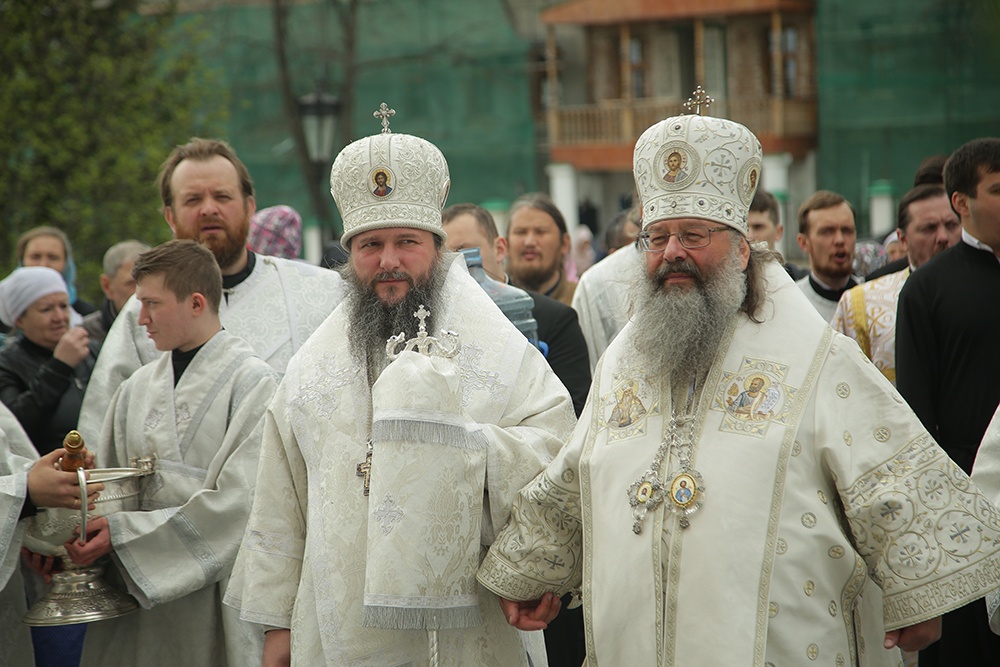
x=45, y=366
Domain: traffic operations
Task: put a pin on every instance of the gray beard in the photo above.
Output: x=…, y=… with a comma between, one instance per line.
x=678, y=330
x=371, y=322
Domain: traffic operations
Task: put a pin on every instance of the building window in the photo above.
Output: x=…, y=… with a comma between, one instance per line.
x=788, y=51
x=714, y=55
x=637, y=66
x=789, y=61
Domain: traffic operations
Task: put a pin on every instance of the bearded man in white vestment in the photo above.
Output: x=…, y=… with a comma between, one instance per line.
x=26, y=483
x=826, y=525
x=274, y=304
x=382, y=479
x=197, y=412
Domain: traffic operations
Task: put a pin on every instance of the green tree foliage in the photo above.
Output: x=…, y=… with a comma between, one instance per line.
x=93, y=95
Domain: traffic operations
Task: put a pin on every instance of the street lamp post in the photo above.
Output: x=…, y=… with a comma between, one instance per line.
x=319, y=112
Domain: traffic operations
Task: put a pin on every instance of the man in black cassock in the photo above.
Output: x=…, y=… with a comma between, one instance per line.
x=948, y=356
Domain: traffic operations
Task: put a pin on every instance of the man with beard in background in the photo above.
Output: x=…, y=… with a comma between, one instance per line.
x=727, y=537
x=371, y=512
x=273, y=304
x=538, y=242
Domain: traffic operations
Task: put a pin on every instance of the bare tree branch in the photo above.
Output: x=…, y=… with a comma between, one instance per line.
x=347, y=16
x=317, y=195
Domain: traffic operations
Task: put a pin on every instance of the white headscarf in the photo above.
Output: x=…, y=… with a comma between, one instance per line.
x=24, y=286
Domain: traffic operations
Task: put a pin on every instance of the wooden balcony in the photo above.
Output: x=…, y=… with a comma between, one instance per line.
x=598, y=12
x=602, y=136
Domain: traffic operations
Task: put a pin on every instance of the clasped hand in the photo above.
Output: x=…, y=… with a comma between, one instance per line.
x=531, y=614
x=915, y=637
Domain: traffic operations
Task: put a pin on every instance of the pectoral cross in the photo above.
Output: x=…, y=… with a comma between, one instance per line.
x=365, y=468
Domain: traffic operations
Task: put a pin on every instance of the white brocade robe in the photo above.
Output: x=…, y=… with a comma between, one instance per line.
x=176, y=554
x=303, y=561
x=867, y=313
x=829, y=514
x=986, y=475
x=602, y=299
x=275, y=310
x=17, y=455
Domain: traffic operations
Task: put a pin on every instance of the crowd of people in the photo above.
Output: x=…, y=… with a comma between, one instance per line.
x=710, y=454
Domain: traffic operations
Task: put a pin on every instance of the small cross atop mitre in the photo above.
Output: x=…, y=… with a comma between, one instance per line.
x=697, y=100
x=384, y=113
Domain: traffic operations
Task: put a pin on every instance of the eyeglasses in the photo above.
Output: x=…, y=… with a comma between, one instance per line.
x=690, y=238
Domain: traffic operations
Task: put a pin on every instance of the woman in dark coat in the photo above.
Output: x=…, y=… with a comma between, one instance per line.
x=45, y=368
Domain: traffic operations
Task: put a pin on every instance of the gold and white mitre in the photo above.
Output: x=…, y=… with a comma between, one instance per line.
x=390, y=180
x=697, y=166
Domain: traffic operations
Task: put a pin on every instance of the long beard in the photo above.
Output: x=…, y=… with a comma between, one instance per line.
x=372, y=321
x=678, y=330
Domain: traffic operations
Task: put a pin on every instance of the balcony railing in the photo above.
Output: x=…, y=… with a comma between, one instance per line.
x=615, y=121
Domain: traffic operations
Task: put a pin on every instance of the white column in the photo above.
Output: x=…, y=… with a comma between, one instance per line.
x=775, y=180
x=312, y=242
x=564, y=192
x=881, y=209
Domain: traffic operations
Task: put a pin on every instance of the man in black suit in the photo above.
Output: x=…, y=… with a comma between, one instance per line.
x=471, y=226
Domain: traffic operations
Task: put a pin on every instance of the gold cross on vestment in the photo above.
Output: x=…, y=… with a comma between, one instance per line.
x=699, y=99
x=365, y=468
x=384, y=113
